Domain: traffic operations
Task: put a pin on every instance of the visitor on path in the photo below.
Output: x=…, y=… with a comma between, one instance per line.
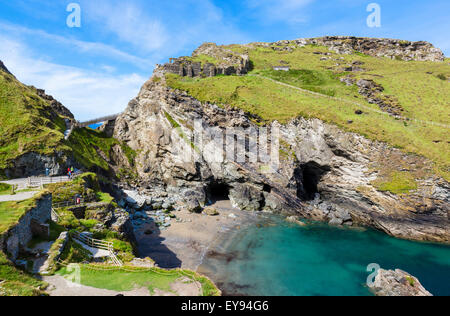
x=69, y=173
x=47, y=172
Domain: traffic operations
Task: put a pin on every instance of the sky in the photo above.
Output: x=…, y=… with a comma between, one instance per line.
x=97, y=68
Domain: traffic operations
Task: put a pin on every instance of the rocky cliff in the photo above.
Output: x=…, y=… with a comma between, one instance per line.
x=323, y=173
x=392, y=48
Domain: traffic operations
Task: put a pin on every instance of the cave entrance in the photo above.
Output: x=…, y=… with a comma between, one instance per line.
x=310, y=175
x=218, y=191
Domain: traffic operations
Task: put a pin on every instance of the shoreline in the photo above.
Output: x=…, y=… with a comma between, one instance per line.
x=190, y=238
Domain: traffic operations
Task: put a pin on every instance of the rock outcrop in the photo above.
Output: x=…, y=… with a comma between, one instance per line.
x=57, y=106
x=3, y=68
x=391, y=48
x=323, y=174
x=397, y=283
x=226, y=62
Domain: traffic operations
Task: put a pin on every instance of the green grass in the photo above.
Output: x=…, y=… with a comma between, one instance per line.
x=92, y=148
x=122, y=281
x=75, y=253
x=324, y=81
x=399, y=182
x=204, y=59
x=86, y=185
x=104, y=197
x=27, y=123
x=14, y=282
x=5, y=189
x=423, y=96
x=12, y=212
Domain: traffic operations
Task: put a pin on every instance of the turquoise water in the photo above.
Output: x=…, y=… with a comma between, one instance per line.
x=279, y=258
x=95, y=126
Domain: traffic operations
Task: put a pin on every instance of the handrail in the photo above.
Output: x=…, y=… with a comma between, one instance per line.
x=54, y=215
x=99, y=244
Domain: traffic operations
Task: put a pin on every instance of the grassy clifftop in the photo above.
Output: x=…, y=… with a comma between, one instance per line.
x=27, y=122
x=420, y=89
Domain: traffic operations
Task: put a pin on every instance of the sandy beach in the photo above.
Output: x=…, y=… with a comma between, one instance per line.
x=186, y=242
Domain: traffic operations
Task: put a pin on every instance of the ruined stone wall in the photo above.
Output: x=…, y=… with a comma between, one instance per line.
x=228, y=63
x=32, y=223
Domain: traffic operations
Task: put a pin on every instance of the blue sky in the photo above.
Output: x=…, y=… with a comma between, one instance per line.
x=97, y=68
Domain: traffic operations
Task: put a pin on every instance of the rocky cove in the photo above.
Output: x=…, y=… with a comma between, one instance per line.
x=324, y=174
x=265, y=206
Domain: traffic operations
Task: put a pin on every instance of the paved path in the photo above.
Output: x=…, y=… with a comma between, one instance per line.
x=21, y=196
x=22, y=183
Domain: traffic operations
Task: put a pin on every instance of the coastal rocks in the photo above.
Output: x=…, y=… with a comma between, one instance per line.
x=210, y=211
x=246, y=197
x=397, y=283
x=295, y=220
x=135, y=200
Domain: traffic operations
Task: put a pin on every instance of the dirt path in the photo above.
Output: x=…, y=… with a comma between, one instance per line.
x=59, y=286
x=62, y=287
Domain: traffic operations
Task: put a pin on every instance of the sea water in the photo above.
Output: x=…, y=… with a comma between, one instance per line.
x=277, y=258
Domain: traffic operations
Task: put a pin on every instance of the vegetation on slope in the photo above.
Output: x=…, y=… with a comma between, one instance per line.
x=27, y=122
x=93, y=148
x=5, y=189
x=415, y=85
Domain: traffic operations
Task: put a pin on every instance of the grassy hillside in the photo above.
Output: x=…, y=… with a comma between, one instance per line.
x=422, y=89
x=27, y=122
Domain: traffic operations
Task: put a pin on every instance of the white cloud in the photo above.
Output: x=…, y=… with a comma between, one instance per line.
x=162, y=29
x=83, y=46
x=87, y=94
x=128, y=22
x=290, y=11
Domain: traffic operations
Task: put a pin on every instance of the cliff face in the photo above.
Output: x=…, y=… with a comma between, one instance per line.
x=323, y=173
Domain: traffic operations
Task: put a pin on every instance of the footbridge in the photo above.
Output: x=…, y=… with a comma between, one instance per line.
x=98, y=120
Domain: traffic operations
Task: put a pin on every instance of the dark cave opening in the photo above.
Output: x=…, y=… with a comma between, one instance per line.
x=218, y=191
x=309, y=176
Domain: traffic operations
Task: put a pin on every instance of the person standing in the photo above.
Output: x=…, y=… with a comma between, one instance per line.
x=47, y=172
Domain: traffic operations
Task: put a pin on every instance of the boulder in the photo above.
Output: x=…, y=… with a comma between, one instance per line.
x=210, y=211
x=397, y=283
